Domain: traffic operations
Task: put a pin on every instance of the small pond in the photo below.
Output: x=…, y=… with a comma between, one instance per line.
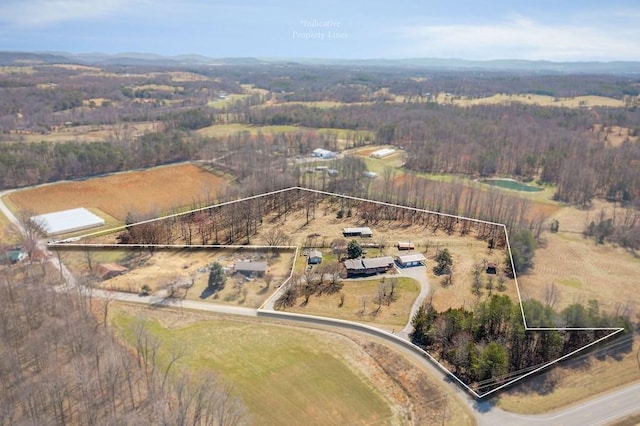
x=510, y=184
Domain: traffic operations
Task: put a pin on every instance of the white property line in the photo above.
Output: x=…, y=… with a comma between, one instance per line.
x=69, y=243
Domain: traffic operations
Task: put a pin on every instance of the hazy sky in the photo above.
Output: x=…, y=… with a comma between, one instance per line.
x=490, y=29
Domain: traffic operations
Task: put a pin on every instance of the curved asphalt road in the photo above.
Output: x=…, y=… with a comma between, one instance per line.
x=598, y=411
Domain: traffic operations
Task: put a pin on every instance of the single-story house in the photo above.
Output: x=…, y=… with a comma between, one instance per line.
x=314, y=257
x=403, y=245
x=109, y=270
x=323, y=153
x=408, y=260
x=368, y=266
x=357, y=232
x=492, y=268
x=250, y=268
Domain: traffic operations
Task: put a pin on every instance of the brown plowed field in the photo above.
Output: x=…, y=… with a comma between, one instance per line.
x=155, y=190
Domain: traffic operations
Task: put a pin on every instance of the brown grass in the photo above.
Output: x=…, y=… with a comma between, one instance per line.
x=97, y=133
x=575, y=381
x=155, y=190
x=582, y=270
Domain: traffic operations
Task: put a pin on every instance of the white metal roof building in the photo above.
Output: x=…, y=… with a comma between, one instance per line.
x=323, y=153
x=357, y=232
x=66, y=221
x=381, y=153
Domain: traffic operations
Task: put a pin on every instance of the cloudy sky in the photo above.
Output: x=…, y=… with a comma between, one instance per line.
x=559, y=30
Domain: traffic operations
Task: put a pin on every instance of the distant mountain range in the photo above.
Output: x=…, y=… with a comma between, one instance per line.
x=133, y=58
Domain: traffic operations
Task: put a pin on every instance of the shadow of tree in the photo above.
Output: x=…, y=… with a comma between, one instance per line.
x=206, y=293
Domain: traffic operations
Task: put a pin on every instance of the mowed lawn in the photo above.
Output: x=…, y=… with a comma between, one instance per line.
x=282, y=375
x=149, y=192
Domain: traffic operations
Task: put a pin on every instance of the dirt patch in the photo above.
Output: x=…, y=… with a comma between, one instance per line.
x=143, y=192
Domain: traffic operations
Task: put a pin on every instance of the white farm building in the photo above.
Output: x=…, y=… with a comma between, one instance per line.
x=323, y=153
x=66, y=221
x=382, y=153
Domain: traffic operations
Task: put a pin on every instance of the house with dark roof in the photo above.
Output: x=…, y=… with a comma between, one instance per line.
x=368, y=266
x=250, y=268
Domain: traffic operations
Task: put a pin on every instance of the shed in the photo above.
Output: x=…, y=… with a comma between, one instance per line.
x=250, y=268
x=408, y=260
x=65, y=221
x=357, y=232
x=109, y=270
x=315, y=257
x=405, y=245
x=368, y=266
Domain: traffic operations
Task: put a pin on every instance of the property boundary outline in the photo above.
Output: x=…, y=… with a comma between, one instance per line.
x=71, y=243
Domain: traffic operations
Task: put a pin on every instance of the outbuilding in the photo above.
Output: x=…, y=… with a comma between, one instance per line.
x=382, y=153
x=323, y=153
x=66, y=221
x=109, y=270
x=314, y=257
x=409, y=260
x=357, y=232
x=405, y=245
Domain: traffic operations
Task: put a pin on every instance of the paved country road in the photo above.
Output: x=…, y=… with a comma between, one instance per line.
x=600, y=410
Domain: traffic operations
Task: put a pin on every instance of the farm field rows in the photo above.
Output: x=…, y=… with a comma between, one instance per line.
x=150, y=192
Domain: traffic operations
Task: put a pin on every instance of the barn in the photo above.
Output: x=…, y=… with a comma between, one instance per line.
x=408, y=260
x=66, y=221
x=357, y=232
x=323, y=153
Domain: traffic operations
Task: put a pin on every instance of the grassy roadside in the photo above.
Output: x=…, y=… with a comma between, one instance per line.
x=282, y=374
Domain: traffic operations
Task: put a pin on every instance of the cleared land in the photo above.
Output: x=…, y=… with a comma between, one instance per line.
x=575, y=102
x=98, y=133
x=311, y=376
x=150, y=192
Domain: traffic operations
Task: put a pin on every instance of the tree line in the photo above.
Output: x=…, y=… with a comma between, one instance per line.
x=60, y=364
x=489, y=346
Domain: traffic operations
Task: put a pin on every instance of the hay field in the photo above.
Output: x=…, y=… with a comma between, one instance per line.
x=98, y=133
x=532, y=99
x=580, y=269
x=154, y=191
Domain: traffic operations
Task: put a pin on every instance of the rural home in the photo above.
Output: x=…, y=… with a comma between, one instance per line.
x=382, y=153
x=408, y=260
x=250, y=268
x=323, y=153
x=357, y=232
x=368, y=266
x=109, y=270
x=314, y=257
x=406, y=245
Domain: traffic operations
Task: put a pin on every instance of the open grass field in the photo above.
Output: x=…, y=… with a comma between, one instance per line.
x=531, y=99
x=154, y=191
x=88, y=133
x=294, y=375
x=582, y=270
x=224, y=130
